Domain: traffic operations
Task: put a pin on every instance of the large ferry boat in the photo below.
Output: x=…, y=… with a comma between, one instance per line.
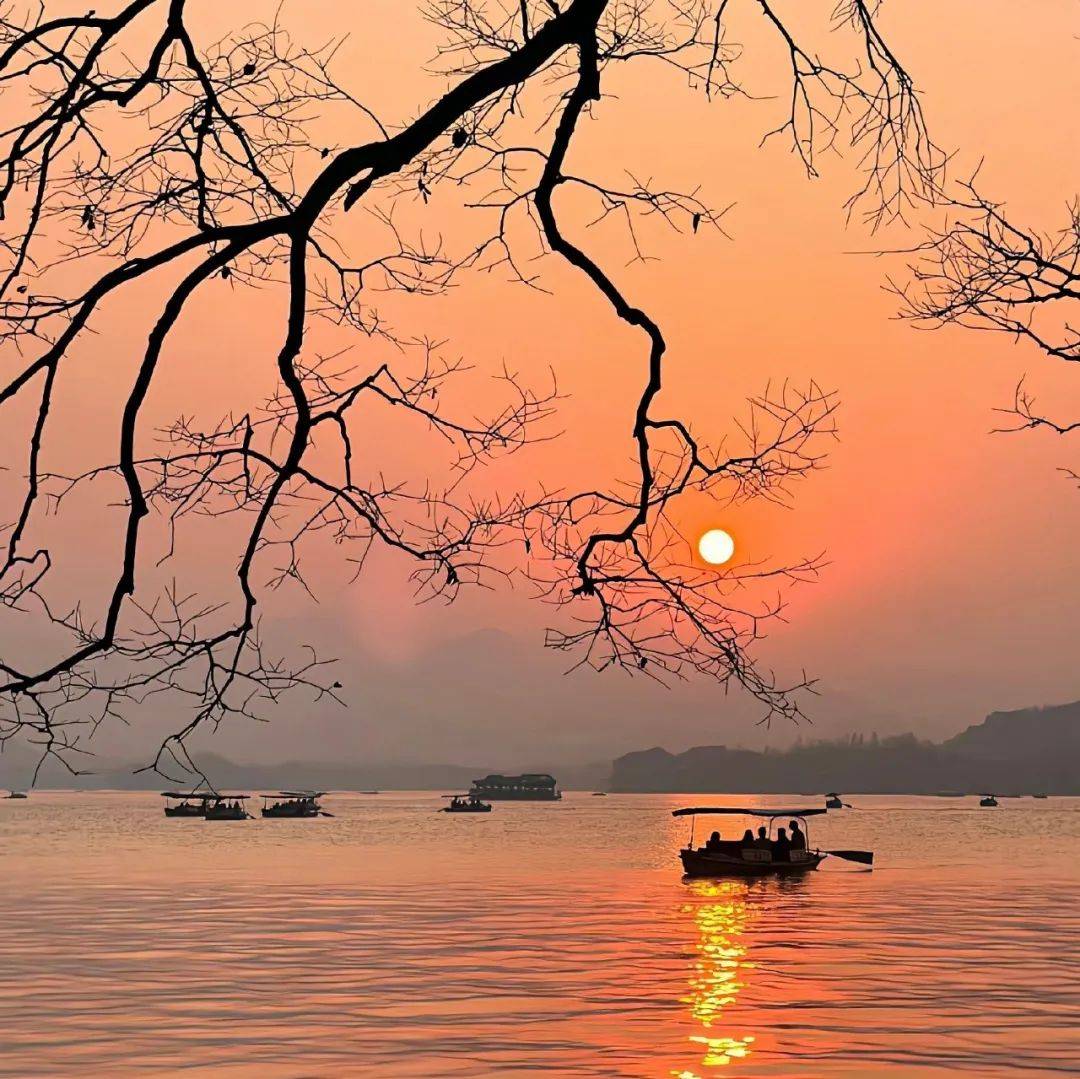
x=530, y=787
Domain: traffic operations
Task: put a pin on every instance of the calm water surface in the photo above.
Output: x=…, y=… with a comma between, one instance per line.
x=555, y=939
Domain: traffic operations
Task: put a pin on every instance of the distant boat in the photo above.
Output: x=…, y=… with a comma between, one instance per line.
x=465, y=803
x=371, y=792
x=599, y=794
x=1040, y=796
x=529, y=787
x=833, y=801
x=733, y=859
x=293, y=805
x=191, y=804
x=988, y=801
x=22, y=794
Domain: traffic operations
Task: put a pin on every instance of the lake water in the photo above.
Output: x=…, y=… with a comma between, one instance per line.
x=393, y=940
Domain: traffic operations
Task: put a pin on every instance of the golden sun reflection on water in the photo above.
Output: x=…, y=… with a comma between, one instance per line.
x=722, y=918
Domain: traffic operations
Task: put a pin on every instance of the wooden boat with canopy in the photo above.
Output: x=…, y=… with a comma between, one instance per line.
x=206, y=805
x=186, y=804
x=734, y=858
x=293, y=804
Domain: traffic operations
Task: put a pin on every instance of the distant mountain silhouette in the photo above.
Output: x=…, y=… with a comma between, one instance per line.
x=16, y=769
x=1026, y=751
x=1027, y=732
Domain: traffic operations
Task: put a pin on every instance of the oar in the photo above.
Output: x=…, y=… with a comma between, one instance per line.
x=864, y=856
x=323, y=813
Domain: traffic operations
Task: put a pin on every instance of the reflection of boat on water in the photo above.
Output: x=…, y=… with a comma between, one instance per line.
x=292, y=805
x=735, y=859
x=464, y=803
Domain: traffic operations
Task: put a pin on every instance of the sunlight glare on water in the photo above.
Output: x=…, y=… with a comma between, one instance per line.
x=393, y=940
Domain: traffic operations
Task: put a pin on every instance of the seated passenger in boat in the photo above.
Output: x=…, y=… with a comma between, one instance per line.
x=781, y=848
x=763, y=842
x=798, y=837
x=714, y=843
x=747, y=841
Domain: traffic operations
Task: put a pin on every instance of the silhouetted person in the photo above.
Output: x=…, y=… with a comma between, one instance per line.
x=713, y=842
x=798, y=837
x=747, y=839
x=781, y=848
x=762, y=842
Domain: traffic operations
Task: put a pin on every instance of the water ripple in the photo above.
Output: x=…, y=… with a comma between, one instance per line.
x=522, y=945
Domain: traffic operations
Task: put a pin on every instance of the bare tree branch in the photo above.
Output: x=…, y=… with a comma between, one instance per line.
x=139, y=158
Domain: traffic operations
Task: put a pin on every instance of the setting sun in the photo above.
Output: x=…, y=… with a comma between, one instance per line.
x=716, y=546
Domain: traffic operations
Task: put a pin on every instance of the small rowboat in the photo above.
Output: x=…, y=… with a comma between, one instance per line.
x=732, y=859
x=988, y=801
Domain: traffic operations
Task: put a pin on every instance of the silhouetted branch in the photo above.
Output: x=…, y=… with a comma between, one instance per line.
x=983, y=271
x=138, y=159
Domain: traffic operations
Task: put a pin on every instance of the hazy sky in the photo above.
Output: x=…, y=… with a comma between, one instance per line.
x=952, y=583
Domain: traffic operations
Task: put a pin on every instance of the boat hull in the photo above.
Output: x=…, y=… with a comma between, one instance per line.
x=697, y=863
x=277, y=814
x=185, y=811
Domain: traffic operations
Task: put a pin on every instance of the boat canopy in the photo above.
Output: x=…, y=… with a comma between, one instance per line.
x=296, y=794
x=748, y=811
x=195, y=796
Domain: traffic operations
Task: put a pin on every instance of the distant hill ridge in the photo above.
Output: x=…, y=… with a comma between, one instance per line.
x=16, y=770
x=1025, y=732
x=1031, y=750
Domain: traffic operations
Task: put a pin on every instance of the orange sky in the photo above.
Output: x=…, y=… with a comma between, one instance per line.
x=951, y=587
